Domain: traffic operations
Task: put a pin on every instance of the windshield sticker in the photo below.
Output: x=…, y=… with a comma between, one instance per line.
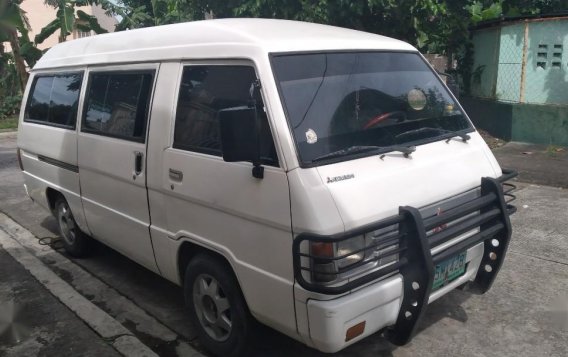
x=416, y=99
x=311, y=136
x=340, y=178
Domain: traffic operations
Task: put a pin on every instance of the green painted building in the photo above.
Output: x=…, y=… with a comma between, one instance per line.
x=519, y=90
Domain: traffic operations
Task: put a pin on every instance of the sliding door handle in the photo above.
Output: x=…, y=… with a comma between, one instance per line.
x=176, y=175
x=138, y=160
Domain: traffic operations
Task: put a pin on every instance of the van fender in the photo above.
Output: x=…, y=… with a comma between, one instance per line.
x=205, y=246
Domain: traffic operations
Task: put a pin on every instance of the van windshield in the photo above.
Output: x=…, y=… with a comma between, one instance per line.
x=363, y=103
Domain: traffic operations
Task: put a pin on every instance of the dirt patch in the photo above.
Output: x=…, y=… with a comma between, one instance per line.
x=491, y=141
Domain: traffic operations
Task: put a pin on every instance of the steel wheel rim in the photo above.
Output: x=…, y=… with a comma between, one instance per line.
x=212, y=307
x=66, y=224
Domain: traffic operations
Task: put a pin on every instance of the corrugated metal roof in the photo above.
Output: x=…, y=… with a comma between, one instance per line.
x=511, y=19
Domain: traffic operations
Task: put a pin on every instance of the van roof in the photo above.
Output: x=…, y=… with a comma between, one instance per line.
x=219, y=38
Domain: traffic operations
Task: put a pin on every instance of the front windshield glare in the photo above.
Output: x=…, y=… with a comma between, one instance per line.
x=337, y=101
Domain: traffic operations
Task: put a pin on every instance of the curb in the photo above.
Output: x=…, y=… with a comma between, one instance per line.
x=8, y=132
x=103, y=324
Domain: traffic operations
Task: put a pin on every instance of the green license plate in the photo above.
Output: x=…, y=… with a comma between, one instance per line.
x=449, y=270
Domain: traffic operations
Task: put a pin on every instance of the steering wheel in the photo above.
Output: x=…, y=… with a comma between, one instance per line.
x=379, y=118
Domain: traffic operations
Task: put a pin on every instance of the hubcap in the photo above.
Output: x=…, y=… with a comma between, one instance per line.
x=212, y=307
x=66, y=223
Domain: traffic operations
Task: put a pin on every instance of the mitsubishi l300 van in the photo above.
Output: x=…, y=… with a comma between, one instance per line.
x=322, y=181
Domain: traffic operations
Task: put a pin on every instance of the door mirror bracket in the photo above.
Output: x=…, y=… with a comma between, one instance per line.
x=257, y=170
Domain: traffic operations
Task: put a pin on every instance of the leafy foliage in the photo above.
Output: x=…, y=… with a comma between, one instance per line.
x=10, y=106
x=86, y=22
x=68, y=19
x=14, y=28
x=10, y=95
x=8, y=76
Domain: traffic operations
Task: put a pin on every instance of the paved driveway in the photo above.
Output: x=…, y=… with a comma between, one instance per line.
x=524, y=314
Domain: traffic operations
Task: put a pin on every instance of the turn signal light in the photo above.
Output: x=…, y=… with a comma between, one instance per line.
x=322, y=249
x=324, y=270
x=355, y=331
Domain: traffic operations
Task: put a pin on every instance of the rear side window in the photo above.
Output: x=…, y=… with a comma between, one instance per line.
x=54, y=100
x=117, y=104
x=206, y=90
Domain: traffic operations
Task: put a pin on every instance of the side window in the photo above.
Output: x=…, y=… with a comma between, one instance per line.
x=117, y=104
x=54, y=99
x=204, y=91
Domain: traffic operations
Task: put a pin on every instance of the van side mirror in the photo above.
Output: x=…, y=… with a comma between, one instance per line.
x=240, y=137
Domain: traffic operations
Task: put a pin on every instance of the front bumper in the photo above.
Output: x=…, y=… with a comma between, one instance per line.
x=400, y=298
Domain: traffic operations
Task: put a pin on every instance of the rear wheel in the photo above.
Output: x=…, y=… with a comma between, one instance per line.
x=74, y=240
x=216, y=307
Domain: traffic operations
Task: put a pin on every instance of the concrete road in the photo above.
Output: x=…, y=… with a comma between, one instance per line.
x=524, y=314
x=33, y=320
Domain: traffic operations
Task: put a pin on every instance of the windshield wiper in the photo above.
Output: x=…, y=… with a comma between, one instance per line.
x=464, y=137
x=358, y=149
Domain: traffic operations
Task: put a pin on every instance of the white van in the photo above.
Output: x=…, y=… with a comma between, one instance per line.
x=321, y=180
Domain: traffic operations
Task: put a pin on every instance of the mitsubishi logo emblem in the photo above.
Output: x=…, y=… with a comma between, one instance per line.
x=441, y=227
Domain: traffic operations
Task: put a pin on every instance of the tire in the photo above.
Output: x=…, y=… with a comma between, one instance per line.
x=217, y=308
x=76, y=242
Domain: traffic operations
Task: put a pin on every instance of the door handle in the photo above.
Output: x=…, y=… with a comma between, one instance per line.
x=138, y=156
x=176, y=175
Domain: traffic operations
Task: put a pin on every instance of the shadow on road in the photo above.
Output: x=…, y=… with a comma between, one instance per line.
x=134, y=281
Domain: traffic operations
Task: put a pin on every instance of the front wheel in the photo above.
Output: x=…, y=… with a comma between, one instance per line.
x=74, y=240
x=217, y=307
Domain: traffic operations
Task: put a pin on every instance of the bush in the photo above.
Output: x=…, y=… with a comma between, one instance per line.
x=10, y=106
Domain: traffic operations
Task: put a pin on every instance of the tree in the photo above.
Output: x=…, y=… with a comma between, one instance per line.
x=67, y=19
x=145, y=13
x=13, y=20
x=435, y=26
x=533, y=7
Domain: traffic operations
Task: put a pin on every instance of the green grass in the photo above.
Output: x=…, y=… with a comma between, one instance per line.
x=554, y=150
x=9, y=123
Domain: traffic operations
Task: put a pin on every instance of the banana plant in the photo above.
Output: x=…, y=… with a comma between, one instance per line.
x=13, y=20
x=68, y=19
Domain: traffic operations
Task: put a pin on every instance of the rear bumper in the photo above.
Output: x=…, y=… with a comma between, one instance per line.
x=398, y=302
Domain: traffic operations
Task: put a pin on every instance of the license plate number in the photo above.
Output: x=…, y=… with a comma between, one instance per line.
x=449, y=270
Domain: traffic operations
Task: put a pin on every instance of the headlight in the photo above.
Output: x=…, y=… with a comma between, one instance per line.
x=325, y=267
x=353, y=248
x=331, y=260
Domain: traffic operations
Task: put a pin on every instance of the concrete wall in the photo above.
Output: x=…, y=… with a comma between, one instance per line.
x=535, y=123
x=522, y=101
x=106, y=22
x=510, y=63
x=547, y=64
x=39, y=15
x=501, y=50
x=486, y=47
x=439, y=62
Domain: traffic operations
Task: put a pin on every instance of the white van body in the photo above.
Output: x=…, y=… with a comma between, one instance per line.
x=178, y=200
